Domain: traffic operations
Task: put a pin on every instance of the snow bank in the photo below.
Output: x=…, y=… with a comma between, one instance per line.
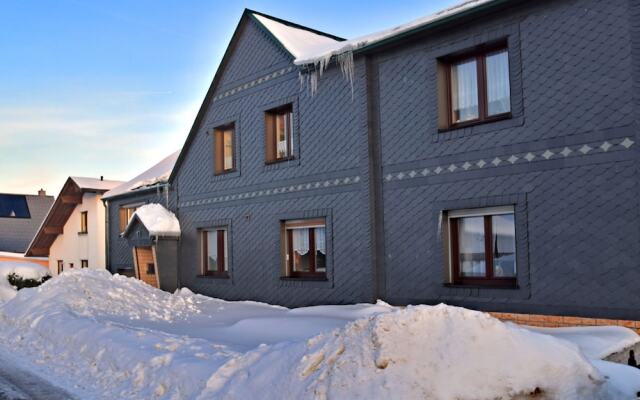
x=158, y=220
x=436, y=352
x=105, y=336
x=25, y=270
x=594, y=341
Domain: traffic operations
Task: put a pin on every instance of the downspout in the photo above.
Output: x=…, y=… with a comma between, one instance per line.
x=105, y=203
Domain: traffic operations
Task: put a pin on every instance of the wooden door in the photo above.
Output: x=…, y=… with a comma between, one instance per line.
x=145, y=265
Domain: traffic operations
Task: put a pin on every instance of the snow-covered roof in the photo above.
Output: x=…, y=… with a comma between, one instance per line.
x=157, y=174
x=158, y=220
x=94, y=183
x=301, y=43
x=317, y=55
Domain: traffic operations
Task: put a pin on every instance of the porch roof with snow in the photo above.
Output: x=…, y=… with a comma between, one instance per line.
x=70, y=196
x=149, y=179
x=156, y=219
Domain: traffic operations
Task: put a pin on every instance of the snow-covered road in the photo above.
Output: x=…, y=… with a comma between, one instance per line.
x=19, y=384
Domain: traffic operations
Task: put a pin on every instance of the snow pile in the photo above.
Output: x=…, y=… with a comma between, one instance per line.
x=158, y=220
x=107, y=336
x=26, y=270
x=439, y=352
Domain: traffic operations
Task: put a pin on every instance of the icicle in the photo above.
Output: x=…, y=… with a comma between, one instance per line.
x=312, y=77
x=440, y=215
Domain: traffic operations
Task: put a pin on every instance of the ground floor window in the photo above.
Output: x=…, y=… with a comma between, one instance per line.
x=84, y=263
x=60, y=266
x=482, y=246
x=305, y=250
x=215, y=249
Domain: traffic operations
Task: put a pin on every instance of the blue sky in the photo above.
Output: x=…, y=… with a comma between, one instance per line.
x=90, y=88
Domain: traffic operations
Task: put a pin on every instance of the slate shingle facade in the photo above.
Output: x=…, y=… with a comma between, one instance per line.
x=373, y=162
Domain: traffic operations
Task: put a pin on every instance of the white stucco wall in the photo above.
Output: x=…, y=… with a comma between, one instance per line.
x=72, y=247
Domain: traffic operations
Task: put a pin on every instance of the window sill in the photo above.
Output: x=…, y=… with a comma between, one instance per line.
x=467, y=124
x=226, y=172
x=322, y=278
x=215, y=276
x=488, y=285
x=82, y=233
x=280, y=160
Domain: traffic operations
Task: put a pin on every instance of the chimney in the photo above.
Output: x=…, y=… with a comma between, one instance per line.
x=101, y=177
x=42, y=192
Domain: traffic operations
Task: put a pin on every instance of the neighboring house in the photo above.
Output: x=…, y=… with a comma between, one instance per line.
x=20, y=218
x=122, y=202
x=73, y=232
x=486, y=156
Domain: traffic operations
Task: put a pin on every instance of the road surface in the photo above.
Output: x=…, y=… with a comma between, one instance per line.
x=17, y=383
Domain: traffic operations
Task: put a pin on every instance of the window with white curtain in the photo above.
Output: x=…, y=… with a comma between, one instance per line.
x=475, y=87
x=305, y=249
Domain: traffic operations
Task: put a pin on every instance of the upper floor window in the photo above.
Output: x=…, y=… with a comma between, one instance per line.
x=483, y=246
x=474, y=87
x=215, y=252
x=83, y=222
x=305, y=250
x=125, y=216
x=278, y=134
x=224, y=138
x=14, y=206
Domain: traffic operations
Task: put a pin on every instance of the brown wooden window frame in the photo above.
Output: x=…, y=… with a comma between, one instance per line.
x=222, y=270
x=271, y=142
x=84, y=222
x=288, y=227
x=60, y=266
x=445, y=64
x=454, y=249
x=218, y=156
x=125, y=216
x=84, y=263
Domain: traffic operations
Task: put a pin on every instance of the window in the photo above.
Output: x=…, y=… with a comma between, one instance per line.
x=224, y=144
x=84, y=263
x=474, y=87
x=14, y=206
x=278, y=134
x=60, y=267
x=151, y=269
x=305, y=250
x=83, y=222
x=483, y=246
x=125, y=216
x=71, y=265
x=215, y=257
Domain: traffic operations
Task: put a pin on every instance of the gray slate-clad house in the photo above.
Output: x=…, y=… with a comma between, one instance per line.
x=122, y=201
x=20, y=218
x=486, y=156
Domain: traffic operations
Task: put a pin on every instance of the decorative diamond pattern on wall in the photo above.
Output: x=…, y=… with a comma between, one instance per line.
x=253, y=83
x=541, y=156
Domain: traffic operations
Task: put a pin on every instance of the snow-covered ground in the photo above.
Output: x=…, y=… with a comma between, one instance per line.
x=102, y=336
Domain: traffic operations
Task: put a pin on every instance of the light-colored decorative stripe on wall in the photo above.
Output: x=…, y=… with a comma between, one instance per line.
x=573, y=151
x=349, y=180
x=253, y=83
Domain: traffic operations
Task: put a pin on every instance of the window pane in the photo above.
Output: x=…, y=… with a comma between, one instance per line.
x=301, y=250
x=212, y=251
x=228, y=149
x=283, y=134
x=464, y=91
x=498, y=92
x=471, y=246
x=321, y=250
x=504, y=245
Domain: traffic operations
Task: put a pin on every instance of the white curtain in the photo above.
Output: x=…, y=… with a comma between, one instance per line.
x=301, y=241
x=498, y=91
x=464, y=91
x=321, y=244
